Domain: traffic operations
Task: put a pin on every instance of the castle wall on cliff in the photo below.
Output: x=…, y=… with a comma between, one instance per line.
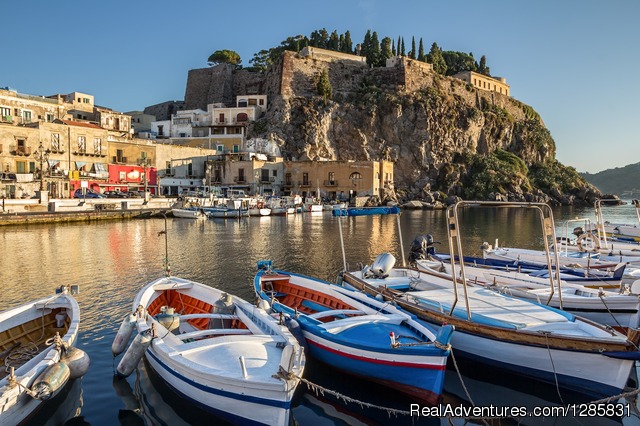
x=296, y=76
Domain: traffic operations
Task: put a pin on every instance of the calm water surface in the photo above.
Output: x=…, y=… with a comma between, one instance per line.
x=111, y=261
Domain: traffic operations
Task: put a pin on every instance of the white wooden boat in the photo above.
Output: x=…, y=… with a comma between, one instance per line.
x=615, y=309
x=620, y=231
x=217, y=351
x=37, y=349
x=516, y=335
x=192, y=213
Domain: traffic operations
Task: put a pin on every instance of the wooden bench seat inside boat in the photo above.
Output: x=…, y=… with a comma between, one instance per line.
x=303, y=299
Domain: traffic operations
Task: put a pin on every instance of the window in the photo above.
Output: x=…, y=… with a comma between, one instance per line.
x=287, y=179
x=221, y=119
x=168, y=167
x=21, y=167
x=143, y=155
x=305, y=178
x=240, y=175
x=332, y=177
x=236, y=148
x=275, y=173
x=261, y=101
x=55, y=142
x=82, y=144
x=220, y=148
x=264, y=175
x=252, y=102
x=50, y=117
x=5, y=112
x=160, y=130
x=122, y=176
x=97, y=146
x=26, y=116
x=119, y=156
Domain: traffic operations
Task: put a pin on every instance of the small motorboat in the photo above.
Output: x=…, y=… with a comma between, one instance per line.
x=359, y=334
x=189, y=213
x=37, y=349
x=218, y=351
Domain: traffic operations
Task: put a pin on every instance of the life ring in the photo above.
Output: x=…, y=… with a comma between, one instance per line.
x=588, y=242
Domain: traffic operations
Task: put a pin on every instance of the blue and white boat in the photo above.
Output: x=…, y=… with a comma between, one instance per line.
x=217, y=351
x=365, y=211
x=516, y=335
x=358, y=334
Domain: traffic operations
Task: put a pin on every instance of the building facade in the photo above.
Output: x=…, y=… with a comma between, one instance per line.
x=485, y=82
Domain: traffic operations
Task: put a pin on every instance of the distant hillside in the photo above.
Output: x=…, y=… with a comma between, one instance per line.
x=617, y=181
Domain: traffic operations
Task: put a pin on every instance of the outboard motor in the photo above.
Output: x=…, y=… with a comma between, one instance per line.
x=382, y=265
x=422, y=247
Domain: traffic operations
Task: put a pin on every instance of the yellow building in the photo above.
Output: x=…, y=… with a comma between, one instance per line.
x=485, y=82
x=338, y=179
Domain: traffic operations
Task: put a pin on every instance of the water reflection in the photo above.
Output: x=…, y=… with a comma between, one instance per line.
x=111, y=261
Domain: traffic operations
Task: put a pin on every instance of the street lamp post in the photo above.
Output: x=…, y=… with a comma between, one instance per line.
x=42, y=155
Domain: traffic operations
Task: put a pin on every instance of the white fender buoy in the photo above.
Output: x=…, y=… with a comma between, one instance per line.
x=124, y=334
x=52, y=379
x=77, y=360
x=132, y=356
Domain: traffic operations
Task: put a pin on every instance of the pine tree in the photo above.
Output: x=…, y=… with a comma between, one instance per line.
x=435, y=58
x=421, y=56
x=386, y=51
x=348, y=44
x=373, y=58
x=365, y=47
x=334, y=41
x=324, y=86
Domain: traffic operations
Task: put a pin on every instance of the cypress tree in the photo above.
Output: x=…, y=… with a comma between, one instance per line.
x=386, y=51
x=402, y=48
x=398, y=48
x=412, y=54
x=393, y=47
x=421, y=51
x=373, y=58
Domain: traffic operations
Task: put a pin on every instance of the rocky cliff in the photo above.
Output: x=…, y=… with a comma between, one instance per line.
x=446, y=138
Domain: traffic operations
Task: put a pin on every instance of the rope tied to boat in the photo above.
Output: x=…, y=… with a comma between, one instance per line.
x=601, y=295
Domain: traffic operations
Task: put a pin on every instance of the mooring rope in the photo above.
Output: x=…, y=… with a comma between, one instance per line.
x=555, y=374
x=601, y=296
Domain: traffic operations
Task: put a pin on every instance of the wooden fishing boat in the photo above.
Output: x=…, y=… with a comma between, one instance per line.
x=37, y=349
x=216, y=350
x=620, y=231
x=525, y=338
x=358, y=334
x=612, y=308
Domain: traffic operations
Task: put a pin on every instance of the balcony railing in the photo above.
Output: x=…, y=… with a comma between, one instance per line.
x=20, y=150
x=330, y=183
x=239, y=179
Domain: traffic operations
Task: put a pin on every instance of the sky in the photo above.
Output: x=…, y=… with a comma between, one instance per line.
x=573, y=61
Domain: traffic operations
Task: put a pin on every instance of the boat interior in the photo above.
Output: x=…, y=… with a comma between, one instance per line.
x=188, y=305
x=22, y=339
x=303, y=299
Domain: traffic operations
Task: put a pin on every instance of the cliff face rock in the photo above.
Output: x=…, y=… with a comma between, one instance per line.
x=442, y=134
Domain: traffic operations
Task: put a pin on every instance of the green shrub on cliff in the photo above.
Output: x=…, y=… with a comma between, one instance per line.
x=554, y=176
x=498, y=172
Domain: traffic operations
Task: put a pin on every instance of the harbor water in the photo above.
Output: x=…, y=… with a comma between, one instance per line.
x=111, y=261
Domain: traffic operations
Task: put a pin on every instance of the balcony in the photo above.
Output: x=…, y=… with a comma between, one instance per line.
x=305, y=184
x=267, y=179
x=20, y=150
x=7, y=119
x=330, y=183
x=287, y=184
x=239, y=179
x=119, y=160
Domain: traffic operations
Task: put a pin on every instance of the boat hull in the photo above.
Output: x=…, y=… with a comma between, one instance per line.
x=232, y=402
x=415, y=375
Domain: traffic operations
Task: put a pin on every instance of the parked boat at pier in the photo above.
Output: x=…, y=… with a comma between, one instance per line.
x=216, y=350
x=359, y=335
x=37, y=348
x=526, y=338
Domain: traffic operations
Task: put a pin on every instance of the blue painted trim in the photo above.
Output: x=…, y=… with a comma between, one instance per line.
x=263, y=401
